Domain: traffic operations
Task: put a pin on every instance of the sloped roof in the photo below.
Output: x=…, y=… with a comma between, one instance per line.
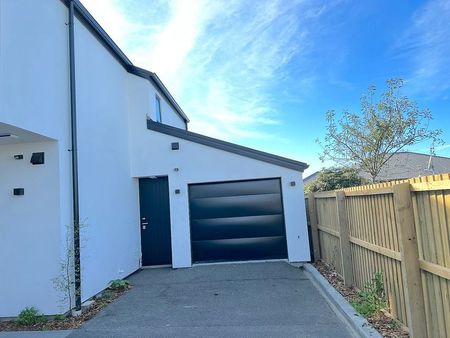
x=226, y=146
x=405, y=165
x=310, y=178
x=409, y=164
x=88, y=20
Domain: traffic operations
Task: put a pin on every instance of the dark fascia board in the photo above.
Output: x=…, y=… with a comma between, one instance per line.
x=226, y=146
x=88, y=20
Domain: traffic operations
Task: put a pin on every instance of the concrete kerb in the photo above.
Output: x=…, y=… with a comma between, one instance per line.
x=354, y=321
x=36, y=334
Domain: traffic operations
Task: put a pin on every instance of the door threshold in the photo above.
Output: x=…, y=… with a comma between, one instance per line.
x=243, y=262
x=145, y=267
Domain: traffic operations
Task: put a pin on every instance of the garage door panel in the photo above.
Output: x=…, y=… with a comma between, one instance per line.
x=236, y=206
x=271, y=186
x=240, y=249
x=237, y=227
x=237, y=221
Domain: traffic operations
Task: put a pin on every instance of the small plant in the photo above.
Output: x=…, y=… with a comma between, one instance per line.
x=30, y=316
x=119, y=284
x=59, y=317
x=394, y=324
x=106, y=295
x=371, y=299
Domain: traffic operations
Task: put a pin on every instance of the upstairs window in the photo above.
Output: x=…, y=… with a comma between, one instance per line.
x=158, y=109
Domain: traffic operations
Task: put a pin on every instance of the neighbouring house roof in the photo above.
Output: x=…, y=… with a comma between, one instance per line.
x=404, y=165
x=409, y=164
x=88, y=20
x=311, y=178
x=226, y=146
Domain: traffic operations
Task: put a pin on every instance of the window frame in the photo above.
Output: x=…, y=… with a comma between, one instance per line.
x=158, y=111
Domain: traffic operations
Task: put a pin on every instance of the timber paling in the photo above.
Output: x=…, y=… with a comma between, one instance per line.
x=399, y=228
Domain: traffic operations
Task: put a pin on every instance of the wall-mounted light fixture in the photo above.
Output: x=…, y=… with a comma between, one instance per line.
x=176, y=169
x=37, y=158
x=175, y=145
x=19, y=191
x=292, y=183
x=177, y=191
x=18, y=157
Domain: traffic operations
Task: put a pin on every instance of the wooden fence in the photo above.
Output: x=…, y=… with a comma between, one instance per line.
x=401, y=229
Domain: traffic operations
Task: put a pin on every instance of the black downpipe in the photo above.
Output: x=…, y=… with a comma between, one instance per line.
x=75, y=197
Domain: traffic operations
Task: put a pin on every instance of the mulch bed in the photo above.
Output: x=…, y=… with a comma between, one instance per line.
x=382, y=322
x=108, y=296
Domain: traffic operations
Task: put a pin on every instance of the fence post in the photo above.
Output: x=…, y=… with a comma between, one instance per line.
x=344, y=238
x=410, y=260
x=313, y=223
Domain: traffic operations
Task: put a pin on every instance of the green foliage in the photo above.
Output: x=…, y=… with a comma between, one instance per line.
x=106, y=295
x=119, y=284
x=30, y=316
x=59, y=317
x=368, y=139
x=371, y=299
x=394, y=324
x=334, y=178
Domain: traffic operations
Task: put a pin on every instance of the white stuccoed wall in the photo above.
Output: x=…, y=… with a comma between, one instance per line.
x=34, y=96
x=151, y=154
x=199, y=164
x=109, y=207
x=29, y=229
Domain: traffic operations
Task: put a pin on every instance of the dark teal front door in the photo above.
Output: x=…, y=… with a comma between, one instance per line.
x=155, y=221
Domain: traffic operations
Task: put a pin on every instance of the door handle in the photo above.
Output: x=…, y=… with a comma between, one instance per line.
x=144, y=223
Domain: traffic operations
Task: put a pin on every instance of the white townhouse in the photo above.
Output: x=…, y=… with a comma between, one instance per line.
x=96, y=148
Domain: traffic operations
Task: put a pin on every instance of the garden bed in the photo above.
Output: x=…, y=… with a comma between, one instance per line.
x=66, y=323
x=381, y=321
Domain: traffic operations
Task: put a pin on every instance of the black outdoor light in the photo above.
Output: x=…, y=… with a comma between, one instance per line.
x=37, y=158
x=175, y=145
x=19, y=191
x=18, y=157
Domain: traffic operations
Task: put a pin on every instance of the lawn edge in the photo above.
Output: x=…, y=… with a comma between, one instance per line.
x=359, y=326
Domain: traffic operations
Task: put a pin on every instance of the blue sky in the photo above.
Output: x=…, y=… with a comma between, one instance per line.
x=264, y=73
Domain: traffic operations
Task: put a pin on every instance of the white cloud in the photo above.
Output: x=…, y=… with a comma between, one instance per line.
x=219, y=59
x=427, y=44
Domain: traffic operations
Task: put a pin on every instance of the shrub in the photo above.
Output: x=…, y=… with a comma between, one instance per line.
x=59, y=317
x=371, y=299
x=30, y=316
x=119, y=284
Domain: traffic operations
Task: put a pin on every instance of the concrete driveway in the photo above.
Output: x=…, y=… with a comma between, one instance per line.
x=233, y=300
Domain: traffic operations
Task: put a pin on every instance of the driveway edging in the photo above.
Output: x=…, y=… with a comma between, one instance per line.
x=358, y=324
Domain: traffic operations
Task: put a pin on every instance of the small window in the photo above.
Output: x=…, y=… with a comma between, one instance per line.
x=158, y=109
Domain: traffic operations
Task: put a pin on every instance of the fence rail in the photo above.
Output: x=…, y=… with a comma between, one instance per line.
x=401, y=229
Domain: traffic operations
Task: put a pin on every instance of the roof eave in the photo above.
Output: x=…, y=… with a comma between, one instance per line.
x=86, y=17
x=227, y=146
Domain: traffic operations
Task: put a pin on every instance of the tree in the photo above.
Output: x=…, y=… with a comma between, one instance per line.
x=334, y=178
x=367, y=140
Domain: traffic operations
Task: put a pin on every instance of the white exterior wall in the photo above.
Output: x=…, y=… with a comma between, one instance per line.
x=109, y=206
x=29, y=233
x=33, y=96
x=144, y=103
x=169, y=116
x=151, y=154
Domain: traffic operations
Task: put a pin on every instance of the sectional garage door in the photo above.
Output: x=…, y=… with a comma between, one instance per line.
x=237, y=221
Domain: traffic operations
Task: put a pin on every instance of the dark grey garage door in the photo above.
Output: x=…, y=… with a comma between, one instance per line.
x=237, y=221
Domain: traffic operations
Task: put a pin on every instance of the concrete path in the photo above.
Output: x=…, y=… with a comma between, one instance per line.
x=233, y=300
